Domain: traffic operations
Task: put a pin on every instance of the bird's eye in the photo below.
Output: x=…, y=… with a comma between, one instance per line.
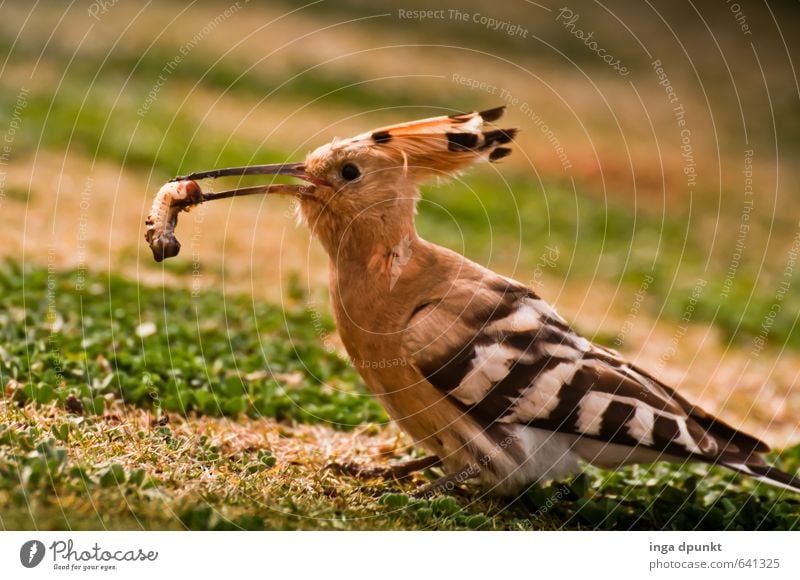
x=350, y=172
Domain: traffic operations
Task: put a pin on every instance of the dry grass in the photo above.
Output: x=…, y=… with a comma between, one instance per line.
x=180, y=478
x=621, y=138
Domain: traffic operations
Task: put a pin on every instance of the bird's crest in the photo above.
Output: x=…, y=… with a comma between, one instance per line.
x=445, y=144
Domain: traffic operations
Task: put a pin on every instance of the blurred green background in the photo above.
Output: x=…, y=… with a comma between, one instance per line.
x=125, y=95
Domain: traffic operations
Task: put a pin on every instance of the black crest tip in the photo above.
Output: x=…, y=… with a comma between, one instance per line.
x=461, y=141
x=490, y=115
x=498, y=137
x=499, y=153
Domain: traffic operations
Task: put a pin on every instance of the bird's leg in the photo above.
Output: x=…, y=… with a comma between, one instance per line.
x=447, y=483
x=406, y=468
x=396, y=471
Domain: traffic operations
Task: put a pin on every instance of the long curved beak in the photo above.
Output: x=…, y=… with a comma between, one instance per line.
x=293, y=169
x=289, y=169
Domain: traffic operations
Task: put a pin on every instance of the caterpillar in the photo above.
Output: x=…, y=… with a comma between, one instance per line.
x=171, y=199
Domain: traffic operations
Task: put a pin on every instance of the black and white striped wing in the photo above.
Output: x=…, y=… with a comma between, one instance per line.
x=520, y=363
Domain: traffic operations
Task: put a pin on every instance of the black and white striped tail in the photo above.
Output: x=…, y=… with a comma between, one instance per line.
x=767, y=474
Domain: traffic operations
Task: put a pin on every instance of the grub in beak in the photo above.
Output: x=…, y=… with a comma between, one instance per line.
x=163, y=218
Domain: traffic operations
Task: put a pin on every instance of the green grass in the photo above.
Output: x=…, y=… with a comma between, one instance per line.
x=611, y=240
x=499, y=223
x=74, y=455
x=170, y=351
x=108, y=129
x=43, y=486
x=120, y=402
x=95, y=108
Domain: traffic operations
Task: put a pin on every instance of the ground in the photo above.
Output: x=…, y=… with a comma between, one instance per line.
x=211, y=419
x=211, y=391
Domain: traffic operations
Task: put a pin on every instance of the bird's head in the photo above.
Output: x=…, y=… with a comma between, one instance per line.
x=362, y=191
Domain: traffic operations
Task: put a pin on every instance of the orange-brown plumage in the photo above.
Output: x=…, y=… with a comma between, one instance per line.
x=493, y=381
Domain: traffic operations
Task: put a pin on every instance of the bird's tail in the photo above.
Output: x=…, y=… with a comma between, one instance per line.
x=766, y=474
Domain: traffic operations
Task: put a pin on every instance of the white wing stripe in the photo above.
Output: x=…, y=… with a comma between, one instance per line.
x=591, y=410
x=561, y=350
x=685, y=439
x=525, y=318
x=544, y=309
x=541, y=398
x=489, y=365
x=640, y=427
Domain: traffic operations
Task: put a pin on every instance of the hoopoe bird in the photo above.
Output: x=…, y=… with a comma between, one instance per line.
x=494, y=384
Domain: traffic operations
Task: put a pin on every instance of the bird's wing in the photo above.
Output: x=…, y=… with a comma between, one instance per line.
x=520, y=363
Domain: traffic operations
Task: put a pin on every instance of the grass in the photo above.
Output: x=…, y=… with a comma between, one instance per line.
x=498, y=219
x=516, y=220
x=109, y=130
x=499, y=223
x=68, y=339
x=131, y=407
x=136, y=407
x=611, y=239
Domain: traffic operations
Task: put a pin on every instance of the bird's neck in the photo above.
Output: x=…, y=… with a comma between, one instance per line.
x=374, y=256
x=357, y=241
x=370, y=287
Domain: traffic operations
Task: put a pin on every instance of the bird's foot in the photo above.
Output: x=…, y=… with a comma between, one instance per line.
x=446, y=484
x=396, y=471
